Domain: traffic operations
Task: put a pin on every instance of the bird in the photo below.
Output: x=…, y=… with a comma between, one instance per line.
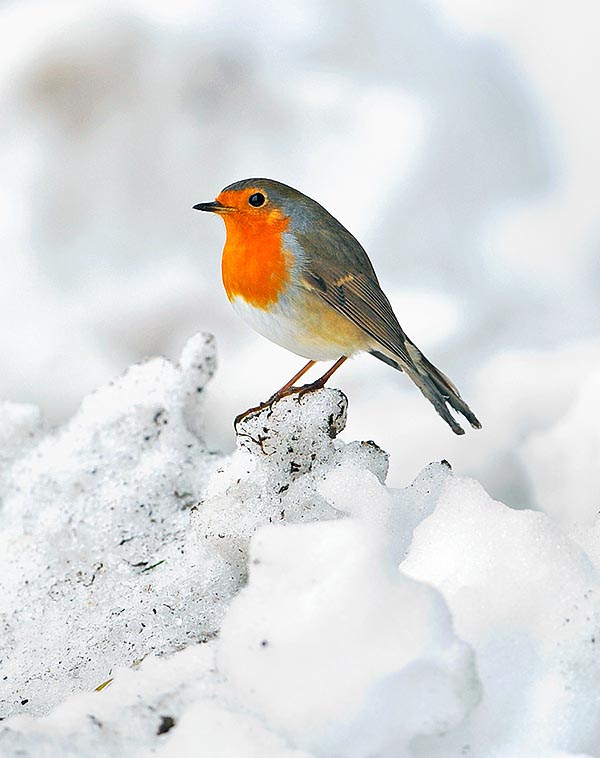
x=302, y=280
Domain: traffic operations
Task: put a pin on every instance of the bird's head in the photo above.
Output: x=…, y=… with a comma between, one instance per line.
x=260, y=202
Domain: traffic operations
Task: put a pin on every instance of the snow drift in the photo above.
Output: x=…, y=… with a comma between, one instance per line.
x=281, y=601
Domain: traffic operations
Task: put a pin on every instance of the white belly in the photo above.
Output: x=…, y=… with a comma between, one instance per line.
x=280, y=325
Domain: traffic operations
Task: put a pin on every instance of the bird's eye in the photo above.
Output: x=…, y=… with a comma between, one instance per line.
x=257, y=199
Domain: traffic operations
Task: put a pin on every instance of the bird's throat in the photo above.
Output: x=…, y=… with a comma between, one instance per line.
x=255, y=265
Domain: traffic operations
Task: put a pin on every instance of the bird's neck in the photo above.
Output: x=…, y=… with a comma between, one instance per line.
x=255, y=265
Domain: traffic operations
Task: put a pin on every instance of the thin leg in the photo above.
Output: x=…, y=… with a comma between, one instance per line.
x=294, y=379
x=285, y=390
x=326, y=376
x=289, y=389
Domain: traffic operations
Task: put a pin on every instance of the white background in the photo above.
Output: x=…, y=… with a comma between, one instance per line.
x=457, y=140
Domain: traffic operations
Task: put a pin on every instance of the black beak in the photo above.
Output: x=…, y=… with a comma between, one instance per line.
x=213, y=207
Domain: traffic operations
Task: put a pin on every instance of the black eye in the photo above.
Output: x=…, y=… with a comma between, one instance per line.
x=257, y=199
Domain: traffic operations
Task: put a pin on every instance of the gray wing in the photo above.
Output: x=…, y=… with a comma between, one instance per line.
x=350, y=286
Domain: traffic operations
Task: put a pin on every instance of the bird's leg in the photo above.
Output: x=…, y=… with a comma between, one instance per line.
x=289, y=385
x=287, y=389
x=321, y=381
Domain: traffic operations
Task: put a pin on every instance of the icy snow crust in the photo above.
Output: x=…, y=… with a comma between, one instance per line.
x=282, y=602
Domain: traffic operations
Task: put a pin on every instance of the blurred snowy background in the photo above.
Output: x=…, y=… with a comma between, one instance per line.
x=458, y=140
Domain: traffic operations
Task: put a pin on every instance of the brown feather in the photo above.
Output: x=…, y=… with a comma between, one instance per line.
x=359, y=297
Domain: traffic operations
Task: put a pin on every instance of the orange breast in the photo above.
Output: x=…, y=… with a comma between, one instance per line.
x=255, y=267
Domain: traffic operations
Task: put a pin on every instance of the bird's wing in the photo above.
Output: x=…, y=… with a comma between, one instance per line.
x=350, y=286
x=347, y=282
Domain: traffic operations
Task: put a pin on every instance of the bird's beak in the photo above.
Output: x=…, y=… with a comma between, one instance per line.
x=214, y=207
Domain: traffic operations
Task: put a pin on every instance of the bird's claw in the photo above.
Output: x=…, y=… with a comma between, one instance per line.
x=300, y=391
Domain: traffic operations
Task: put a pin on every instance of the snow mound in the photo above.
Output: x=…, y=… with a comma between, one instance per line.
x=279, y=603
x=94, y=532
x=527, y=598
x=336, y=649
x=283, y=452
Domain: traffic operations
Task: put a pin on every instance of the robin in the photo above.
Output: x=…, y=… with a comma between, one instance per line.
x=302, y=280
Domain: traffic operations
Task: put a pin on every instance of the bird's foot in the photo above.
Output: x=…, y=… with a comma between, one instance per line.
x=300, y=391
x=249, y=412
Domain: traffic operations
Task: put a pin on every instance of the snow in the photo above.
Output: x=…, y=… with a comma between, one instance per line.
x=527, y=598
x=333, y=647
x=127, y=538
x=87, y=511
x=280, y=601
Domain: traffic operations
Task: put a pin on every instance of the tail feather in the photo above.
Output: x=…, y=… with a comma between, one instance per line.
x=434, y=385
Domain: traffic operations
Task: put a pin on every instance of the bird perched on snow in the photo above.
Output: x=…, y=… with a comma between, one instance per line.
x=303, y=281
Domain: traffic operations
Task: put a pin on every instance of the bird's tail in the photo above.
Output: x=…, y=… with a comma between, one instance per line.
x=435, y=385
